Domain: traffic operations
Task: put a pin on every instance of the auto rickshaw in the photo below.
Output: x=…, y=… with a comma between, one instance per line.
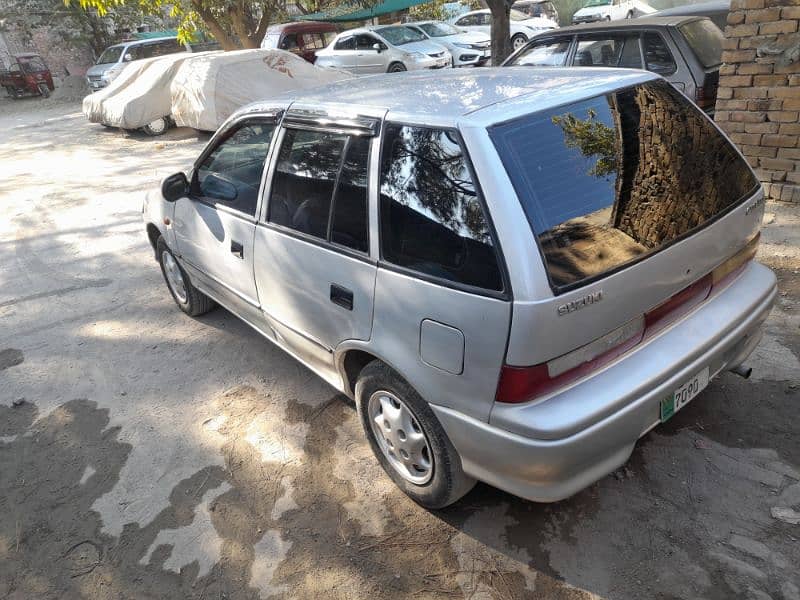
x=26, y=75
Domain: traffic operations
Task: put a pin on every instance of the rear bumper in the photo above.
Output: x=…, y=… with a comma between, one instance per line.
x=550, y=449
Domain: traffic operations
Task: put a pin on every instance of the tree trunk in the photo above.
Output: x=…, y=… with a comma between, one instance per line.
x=214, y=26
x=501, y=30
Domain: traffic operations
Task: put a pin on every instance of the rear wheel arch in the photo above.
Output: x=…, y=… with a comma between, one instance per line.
x=351, y=363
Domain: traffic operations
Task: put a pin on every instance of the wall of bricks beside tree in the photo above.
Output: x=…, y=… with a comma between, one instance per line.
x=759, y=91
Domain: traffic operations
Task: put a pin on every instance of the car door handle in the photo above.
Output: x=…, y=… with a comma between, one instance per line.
x=341, y=296
x=237, y=249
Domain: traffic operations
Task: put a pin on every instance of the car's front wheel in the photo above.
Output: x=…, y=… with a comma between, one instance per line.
x=408, y=440
x=396, y=67
x=518, y=41
x=188, y=298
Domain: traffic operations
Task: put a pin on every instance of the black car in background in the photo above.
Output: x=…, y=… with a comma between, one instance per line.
x=686, y=51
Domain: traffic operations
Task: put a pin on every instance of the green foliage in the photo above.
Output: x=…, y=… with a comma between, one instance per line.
x=430, y=11
x=234, y=23
x=592, y=138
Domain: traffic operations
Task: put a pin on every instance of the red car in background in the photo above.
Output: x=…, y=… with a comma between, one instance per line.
x=27, y=74
x=302, y=38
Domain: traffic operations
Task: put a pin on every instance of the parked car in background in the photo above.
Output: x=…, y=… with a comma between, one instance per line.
x=686, y=51
x=383, y=49
x=115, y=58
x=538, y=8
x=717, y=11
x=303, y=38
x=468, y=48
x=604, y=10
x=27, y=74
x=514, y=284
x=521, y=25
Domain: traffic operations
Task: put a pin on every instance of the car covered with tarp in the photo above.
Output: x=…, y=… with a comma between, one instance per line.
x=139, y=98
x=210, y=87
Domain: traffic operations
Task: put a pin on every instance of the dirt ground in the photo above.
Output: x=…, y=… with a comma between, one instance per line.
x=145, y=454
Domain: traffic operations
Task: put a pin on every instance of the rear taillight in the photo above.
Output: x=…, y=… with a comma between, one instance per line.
x=523, y=384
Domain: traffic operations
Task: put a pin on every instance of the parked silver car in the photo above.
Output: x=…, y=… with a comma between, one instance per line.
x=384, y=49
x=516, y=273
x=115, y=58
x=468, y=48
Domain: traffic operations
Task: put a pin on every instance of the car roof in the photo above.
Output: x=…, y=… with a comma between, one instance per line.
x=301, y=26
x=716, y=6
x=147, y=41
x=641, y=22
x=445, y=97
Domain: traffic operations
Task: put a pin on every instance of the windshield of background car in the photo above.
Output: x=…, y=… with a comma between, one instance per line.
x=110, y=55
x=31, y=64
x=705, y=39
x=608, y=181
x=597, y=3
x=438, y=29
x=517, y=15
x=398, y=36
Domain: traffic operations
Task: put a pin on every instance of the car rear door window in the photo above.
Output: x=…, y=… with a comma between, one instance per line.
x=431, y=218
x=349, y=213
x=608, y=51
x=549, y=54
x=345, y=43
x=302, y=188
x=320, y=187
x=610, y=180
x=657, y=56
x=230, y=175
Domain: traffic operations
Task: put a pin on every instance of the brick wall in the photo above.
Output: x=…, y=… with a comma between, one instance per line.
x=759, y=94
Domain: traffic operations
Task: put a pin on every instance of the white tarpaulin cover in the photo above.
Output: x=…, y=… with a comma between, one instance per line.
x=209, y=88
x=139, y=95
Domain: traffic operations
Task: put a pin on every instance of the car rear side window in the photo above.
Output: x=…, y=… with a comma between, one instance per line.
x=607, y=181
x=431, y=218
x=705, y=40
x=657, y=56
x=320, y=187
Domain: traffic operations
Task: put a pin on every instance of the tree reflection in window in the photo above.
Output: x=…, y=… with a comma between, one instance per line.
x=592, y=138
x=431, y=218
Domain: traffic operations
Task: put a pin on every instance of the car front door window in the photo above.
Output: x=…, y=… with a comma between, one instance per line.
x=230, y=175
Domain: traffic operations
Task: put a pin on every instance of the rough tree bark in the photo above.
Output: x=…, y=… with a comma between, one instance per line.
x=501, y=30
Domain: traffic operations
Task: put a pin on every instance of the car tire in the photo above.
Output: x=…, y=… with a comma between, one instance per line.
x=518, y=41
x=438, y=480
x=44, y=91
x=157, y=127
x=629, y=15
x=396, y=67
x=188, y=298
x=608, y=17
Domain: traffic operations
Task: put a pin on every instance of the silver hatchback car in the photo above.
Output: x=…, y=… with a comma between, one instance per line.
x=515, y=273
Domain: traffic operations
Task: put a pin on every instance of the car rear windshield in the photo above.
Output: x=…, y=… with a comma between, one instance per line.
x=32, y=64
x=607, y=181
x=705, y=39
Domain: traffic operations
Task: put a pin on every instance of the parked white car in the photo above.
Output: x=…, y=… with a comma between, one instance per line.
x=468, y=48
x=522, y=26
x=605, y=10
x=386, y=49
